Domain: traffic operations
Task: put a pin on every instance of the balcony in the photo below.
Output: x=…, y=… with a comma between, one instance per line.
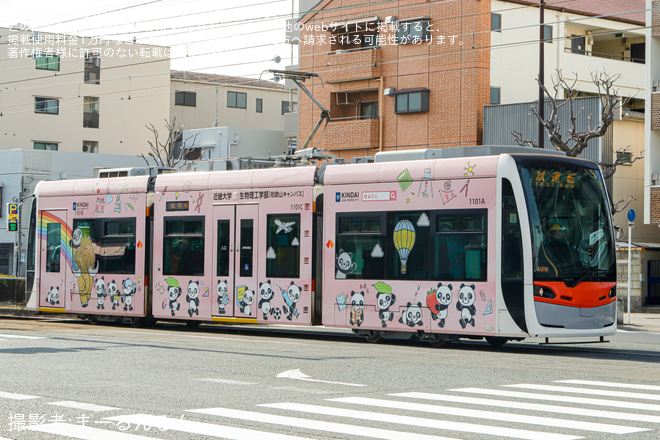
x=353, y=64
x=351, y=134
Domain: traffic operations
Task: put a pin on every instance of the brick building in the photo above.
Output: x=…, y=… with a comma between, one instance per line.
x=396, y=75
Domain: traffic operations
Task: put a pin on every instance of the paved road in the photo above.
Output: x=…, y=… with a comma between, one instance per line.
x=67, y=380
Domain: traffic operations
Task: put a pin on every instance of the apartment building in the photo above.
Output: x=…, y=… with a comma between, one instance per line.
x=201, y=100
x=79, y=94
x=417, y=74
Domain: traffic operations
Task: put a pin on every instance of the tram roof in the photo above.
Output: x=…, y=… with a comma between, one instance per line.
x=254, y=178
x=103, y=186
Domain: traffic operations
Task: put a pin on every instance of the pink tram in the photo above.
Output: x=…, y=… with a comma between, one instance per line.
x=438, y=249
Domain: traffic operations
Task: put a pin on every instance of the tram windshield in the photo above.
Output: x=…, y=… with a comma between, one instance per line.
x=571, y=224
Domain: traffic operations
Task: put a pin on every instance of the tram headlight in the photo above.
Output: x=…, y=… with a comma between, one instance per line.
x=544, y=292
x=612, y=292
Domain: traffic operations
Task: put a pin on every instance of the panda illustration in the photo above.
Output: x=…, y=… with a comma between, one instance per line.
x=385, y=301
x=53, y=295
x=174, y=292
x=438, y=301
x=193, y=298
x=345, y=264
x=266, y=293
x=223, y=296
x=291, y=297
x=101, y=293
x=357, y=308
x=128, y=288
x=412, y=316
x=245, y=304
x=76, y=238
x=465, y=304
x=114, y=294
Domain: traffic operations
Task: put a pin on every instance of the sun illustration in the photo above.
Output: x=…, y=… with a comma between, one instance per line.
x=470, y=169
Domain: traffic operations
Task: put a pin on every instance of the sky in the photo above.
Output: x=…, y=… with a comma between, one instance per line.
x=239, y=38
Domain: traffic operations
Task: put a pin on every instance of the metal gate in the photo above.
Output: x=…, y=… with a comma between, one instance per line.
x=653, y=295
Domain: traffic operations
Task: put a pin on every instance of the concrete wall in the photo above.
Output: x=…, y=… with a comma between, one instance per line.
x=133, y=90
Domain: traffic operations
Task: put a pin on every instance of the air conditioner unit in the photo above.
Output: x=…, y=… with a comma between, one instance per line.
x=389, y=91
x=85, y=148
x=390, y=19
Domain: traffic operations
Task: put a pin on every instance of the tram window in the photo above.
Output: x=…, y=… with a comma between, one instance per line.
x=183, y=246
x=112, y=242
x=247, y=244
x=512, y=262
x=460, y=246
x=360, y=241
x=53, y=240
x=222, y=269
x=408, y=245
x=283, y=246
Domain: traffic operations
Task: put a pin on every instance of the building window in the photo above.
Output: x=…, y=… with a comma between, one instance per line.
x=494, y=95
x=260, y=105
x=47, y=62
x=412, y=101
x=236, y=99
x=547, y=33
x=50, y=106
x=51, y=146
x=413, y=31
x=188, y=99
x=496, y=22
x=352, y=35
x=90, y=147
x=369, y=110
x=92, y=70
x=91, y=112
x=289, y=107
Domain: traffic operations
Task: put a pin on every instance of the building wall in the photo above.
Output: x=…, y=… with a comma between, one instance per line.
x=212, y=111
x=133, y=91
x=457, y=75
x=652, y=127
x=515, y=52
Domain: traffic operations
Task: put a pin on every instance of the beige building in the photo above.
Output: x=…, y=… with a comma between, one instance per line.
x=80, y=94
x=200, y=100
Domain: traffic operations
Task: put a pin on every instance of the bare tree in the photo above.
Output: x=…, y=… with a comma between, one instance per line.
x=564, y=93
x=576, y=139
x=164, y=151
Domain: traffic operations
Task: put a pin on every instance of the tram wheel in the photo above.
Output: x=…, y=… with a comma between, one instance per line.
x=191, y=325
x=374, y=337
x=496, y=341
x=438, y=343
x=93, y=320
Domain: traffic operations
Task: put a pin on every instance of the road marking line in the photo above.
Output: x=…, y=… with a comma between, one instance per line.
x=16, y=396
x=299, y=375
x=83, y=406
x=420, y=422
x=558, y=398
x=533, y=407
x=4, y=335
x=201, y=428
x=622, y=394
x=227, y=381
x=492, y=415
x=630, y=386
x=83, y=432
x=318, y=425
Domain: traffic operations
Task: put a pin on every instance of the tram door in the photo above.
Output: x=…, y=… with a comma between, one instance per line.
x=235, y=237
x=52, y=258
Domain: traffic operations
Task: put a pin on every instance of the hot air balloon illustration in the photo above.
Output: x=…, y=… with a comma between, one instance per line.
x=404, y=240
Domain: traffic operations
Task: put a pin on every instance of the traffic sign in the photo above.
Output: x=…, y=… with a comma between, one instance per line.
x=12, y=217
x=631, y=215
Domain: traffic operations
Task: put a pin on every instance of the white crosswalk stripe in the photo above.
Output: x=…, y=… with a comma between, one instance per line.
x=9, y=336
x=453, y=414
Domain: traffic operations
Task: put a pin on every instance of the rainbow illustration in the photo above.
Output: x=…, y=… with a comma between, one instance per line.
x=46, y=218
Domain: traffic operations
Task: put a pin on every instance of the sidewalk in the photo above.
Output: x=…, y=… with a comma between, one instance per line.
x=639, y=322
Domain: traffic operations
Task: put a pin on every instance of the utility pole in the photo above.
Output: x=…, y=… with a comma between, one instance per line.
x=541, y=74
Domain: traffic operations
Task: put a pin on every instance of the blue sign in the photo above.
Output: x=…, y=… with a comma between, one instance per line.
x=631, y=215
